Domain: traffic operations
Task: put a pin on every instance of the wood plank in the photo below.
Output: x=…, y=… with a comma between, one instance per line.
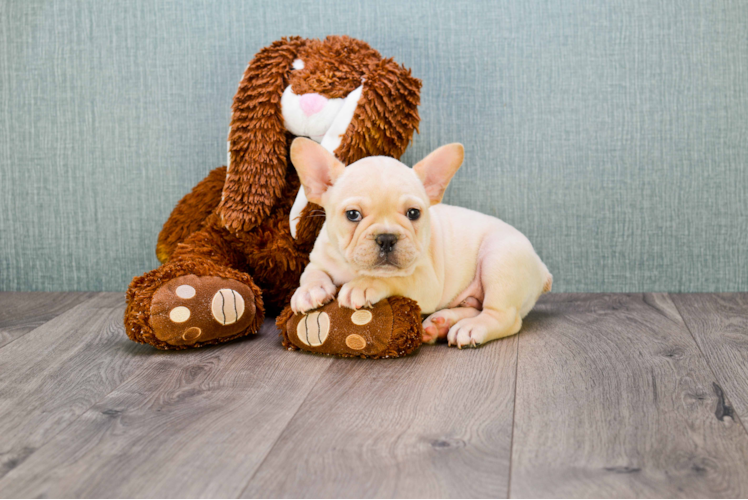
x=21, y=312
x=51, y=375
x=188, y=424
x=437, y=424
x=614, y=399
x=719, y=324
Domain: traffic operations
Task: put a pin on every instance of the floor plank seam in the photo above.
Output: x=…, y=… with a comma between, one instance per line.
x=83, y=412
x=24, y=334
x=49, y=321
x=280, y=434
x=588, y=357
x=706, y=359
x=514, y=412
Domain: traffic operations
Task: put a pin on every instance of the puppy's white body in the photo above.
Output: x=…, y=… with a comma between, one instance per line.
x=475, y=275
x=468, y=247
x=463, y=245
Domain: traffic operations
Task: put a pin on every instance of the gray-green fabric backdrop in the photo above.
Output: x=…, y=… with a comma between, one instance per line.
x=613, y=133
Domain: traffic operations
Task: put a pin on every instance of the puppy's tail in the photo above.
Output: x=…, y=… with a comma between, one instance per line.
x=548, y=283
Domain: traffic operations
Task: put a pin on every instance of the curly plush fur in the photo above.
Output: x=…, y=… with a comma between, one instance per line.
x=190, y=213
x=235, y=223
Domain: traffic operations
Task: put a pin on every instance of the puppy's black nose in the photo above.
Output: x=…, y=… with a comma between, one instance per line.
x=386, y=242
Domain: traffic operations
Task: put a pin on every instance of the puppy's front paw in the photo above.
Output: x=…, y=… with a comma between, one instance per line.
x=362, y=293
x=311, y=296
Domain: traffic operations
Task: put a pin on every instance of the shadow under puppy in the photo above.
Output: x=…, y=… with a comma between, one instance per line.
x=386, y=233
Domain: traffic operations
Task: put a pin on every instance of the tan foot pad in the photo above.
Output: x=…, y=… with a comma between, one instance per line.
x=191, y=309
x=390, y=329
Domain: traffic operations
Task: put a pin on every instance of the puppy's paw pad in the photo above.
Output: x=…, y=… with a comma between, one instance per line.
x=437, y=325
x=430, y=334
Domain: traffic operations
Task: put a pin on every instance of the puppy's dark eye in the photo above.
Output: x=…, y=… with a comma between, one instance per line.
x=413, y=213
x=353, y=215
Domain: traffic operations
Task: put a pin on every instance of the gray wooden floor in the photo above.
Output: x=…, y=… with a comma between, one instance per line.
x=598, y=396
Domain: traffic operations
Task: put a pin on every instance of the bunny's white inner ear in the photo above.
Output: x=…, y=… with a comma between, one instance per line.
x=330, y=141
x=334, y=135
x=298, y=206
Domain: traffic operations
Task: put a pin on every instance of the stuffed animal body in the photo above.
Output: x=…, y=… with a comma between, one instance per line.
x=235, y=246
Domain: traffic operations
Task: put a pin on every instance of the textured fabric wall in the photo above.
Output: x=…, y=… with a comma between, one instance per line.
x=613, y=134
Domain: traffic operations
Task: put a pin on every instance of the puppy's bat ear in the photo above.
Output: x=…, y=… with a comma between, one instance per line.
x=317, y=168
x=438, y=168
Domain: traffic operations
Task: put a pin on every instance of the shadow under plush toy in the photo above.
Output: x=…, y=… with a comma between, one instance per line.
x=236, y=245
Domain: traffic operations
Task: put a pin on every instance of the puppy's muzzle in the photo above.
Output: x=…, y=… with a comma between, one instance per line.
x=386, y=242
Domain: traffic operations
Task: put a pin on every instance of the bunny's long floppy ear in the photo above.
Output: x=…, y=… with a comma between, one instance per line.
x=386, y=116
x=258, y=141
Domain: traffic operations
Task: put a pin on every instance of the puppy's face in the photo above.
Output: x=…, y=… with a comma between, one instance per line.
x=377, y=215
x=377, y=209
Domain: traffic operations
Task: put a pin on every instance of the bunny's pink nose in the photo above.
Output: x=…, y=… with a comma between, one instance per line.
x=312, y=103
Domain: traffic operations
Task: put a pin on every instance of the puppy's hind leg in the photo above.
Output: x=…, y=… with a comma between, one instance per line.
x=512, y=277
x=438, y=324
x=489, y=325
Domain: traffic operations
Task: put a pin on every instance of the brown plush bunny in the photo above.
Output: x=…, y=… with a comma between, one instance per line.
x=236, y=245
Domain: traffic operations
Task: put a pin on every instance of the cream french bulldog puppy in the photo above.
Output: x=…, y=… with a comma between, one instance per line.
x=386, y=233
